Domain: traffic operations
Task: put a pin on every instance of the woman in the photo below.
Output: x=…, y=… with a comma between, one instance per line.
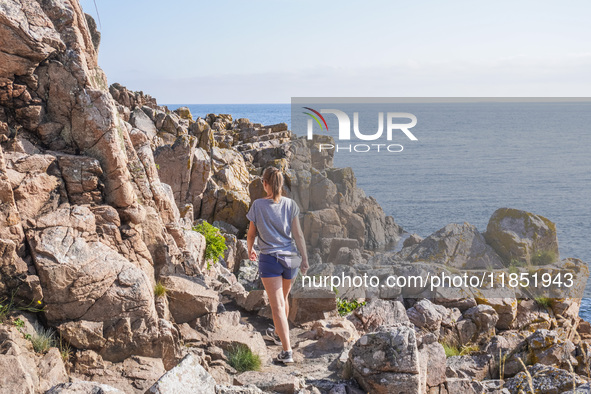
x=274, y=219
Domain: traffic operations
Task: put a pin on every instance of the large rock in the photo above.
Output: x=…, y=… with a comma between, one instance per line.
x=532, y=316
x=28, y=38
x=83, y=387
x=185, y=167
x=432, y=360
x=465, y=386
x=140, y=120
x=506, y=308
x=477, y=366
x=189, y=298
x=387, y=361
x=229, y=199
x=478, y=323
x=456, y=245
x=11, y=266
x=333, y=334
x=380, y=230
x=186, y=378
x=82, y=177
x=270, y=382
x=424, y=315
x=321, y=159
x=83, y=334
x=320, y=225
x=548, y=347
x=519, y=235
x=51, y=370
x=378, y=313
x=544, y=379
x=248, y=389
x=225, y=331
x=35, y=187
x=322, y=191
x=311, y=304
x=82, y=278
x=14, y=377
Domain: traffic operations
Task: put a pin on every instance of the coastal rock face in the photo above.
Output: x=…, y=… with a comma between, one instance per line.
x=455, y=245
x=521, y=235
x=86, y=226
x=100, y=188
x=82, y=278
x=185, y=168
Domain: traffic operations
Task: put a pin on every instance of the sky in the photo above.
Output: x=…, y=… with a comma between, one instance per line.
x=267, y=51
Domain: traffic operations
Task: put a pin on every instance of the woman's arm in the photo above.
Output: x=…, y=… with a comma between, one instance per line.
x=298, y=236
x=252, y=233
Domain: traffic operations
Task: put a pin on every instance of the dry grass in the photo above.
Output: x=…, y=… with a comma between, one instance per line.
x=530, y=380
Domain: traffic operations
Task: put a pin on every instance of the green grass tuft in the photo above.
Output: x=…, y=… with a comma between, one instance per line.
x=513, y=269
x=242, y=359
x=543, y=257
x=467, y=350
x=65, y=348
x=452, y=350
x=160, y=290
x=42, y=339
x=544, y=301
x=515, y=265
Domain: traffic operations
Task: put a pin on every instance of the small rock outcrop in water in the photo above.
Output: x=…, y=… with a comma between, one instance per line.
x=99, y=190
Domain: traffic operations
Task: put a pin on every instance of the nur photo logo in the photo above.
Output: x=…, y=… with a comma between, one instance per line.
x=392, y=122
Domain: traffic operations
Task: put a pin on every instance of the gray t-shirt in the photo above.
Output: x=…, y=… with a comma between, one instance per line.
x=273, y=222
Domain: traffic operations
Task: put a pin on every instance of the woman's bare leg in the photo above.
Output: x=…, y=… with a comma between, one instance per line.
x=274, y=288
x=286, y=288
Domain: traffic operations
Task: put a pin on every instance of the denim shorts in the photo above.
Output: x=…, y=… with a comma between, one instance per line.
x=270, y=267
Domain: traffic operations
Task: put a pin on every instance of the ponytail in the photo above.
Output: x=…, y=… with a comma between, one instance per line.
x=274, y=178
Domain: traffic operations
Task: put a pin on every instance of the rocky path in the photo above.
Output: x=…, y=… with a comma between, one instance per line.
x=313, y=368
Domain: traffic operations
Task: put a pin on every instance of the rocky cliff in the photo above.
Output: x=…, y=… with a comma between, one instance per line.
x=100, y=188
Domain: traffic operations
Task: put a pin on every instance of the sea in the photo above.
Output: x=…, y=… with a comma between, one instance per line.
x=470, y=159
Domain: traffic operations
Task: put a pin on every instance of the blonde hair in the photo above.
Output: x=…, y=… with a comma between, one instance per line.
x=274, y=178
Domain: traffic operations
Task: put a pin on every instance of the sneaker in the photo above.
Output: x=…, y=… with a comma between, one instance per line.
x=272, y=336
x=285, y=357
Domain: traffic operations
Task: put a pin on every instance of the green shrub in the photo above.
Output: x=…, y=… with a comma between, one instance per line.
x=544, y=301
x=215, y=243
x=543, y=257
x=513, y=269
x=19, y=323
x=159, y=289
x=242, y=359
x=345, y=307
